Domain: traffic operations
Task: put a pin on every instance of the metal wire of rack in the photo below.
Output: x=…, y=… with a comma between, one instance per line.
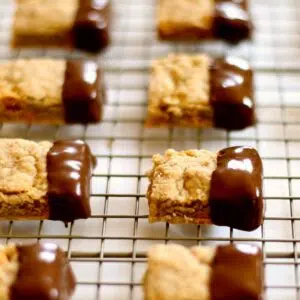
x=108, y=251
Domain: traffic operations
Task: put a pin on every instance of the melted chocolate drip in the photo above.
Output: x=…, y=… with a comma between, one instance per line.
x=232, y=21
x=237, y=273
x=44, y=274
x=82, y=99
x=236, y=189
x=69, y=169
x=232, y=93
x=91, y=27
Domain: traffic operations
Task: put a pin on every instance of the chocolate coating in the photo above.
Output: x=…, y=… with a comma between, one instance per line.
x=231, y=94
x=91, y=28
x=44, y=274
x=232, y=20
x=69, y=168
x=235, y=198
x=83, y=92
x=237, y=273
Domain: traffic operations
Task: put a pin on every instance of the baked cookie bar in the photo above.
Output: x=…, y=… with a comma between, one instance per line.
x=198, y=91
x=51, y=91
x=45, y=180
x=200, y=19
x=38, y=271
x=82, y=24
x=203, y=273
x=203, y=187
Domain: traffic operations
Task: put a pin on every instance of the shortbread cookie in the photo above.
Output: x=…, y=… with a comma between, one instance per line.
x=203, y=187
x=38, y=271
x=45, y=180
x=198, y=91
x=82, y=24
x=51, y=91
x=203, y=273
x=204, y=19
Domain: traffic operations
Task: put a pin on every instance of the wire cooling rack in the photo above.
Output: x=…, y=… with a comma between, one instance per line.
x=107, y=251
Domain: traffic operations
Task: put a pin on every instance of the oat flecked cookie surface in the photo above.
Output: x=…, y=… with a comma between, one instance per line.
x=175, y=272
x=189, y=18
x=31, y=89
x=34, y=81
x=179, y=185
x=179, y=91
x=9, y=267
x=23, y=177
x=37, y=20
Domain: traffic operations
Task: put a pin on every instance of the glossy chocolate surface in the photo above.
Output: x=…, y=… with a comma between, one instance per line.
x=83, y=92
x=232, y=20
x=91, y=28
x=231, y=94
x=69, y=168
x=237, y=273
x=44, y=274
x=236, y=189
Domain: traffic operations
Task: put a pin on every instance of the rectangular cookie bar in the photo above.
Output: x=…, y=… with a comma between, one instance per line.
x=51, y=91
x=204, y=19
x=198, y=91
x=45, y=180
x=226, y=272
x=203, y=187
x=82, y=24
x=38, y=271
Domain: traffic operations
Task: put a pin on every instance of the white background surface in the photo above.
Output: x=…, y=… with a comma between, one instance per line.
x=107, y=251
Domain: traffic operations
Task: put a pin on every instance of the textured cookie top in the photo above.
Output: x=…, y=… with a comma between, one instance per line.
x=45, y=17
x=185, y=14
x=176, y=272
x=33, y=81
x=8, y=269
x=179, y=82
x=181, y=176
x=23, y=173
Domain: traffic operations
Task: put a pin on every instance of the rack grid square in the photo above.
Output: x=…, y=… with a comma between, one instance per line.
x=108, y=251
